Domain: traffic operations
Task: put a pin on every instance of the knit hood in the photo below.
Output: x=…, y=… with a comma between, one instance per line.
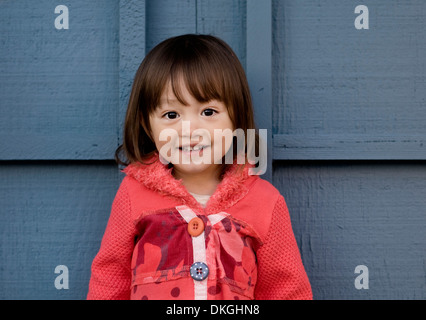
x=158, y=177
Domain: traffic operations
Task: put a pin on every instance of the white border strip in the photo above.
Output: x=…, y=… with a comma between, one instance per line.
x=198, y=251
x=199, y=247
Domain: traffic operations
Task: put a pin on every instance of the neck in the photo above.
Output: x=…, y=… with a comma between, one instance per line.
x=200, y=182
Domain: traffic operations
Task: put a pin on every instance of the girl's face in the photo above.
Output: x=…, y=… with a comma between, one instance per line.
x=193, y=137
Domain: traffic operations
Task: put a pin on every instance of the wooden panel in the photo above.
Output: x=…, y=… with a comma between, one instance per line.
x=336, y=92
x=58, y=88
x=168, y=18
x=349, y=147
x=259, y=69
x=132, y=51
x=52, y=213
x=346, y=214
x=225, y=19
x=332, y=79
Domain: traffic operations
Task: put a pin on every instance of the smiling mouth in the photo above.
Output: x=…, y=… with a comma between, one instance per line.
x=192, y=148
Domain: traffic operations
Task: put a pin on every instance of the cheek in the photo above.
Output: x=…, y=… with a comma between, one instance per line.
x=228, y=130
x=167, y=142
x=155, y=136
x=227, y=141
x=155, y=130
x=222, y=143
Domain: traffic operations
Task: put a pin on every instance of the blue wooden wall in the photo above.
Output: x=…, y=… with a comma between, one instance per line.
x=345, y=111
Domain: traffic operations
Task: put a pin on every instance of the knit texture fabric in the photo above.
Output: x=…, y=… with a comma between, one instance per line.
x=281, y=274
x=111, y=273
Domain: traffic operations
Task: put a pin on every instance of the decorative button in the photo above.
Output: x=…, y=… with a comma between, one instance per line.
x=199, y=271
x=195, y=227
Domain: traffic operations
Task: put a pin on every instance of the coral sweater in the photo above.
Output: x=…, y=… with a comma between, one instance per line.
x=247, y=243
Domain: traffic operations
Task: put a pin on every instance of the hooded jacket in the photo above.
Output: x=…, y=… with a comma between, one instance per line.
x=241, y=245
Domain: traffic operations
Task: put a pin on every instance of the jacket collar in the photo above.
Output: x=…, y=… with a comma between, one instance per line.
x=158, y=177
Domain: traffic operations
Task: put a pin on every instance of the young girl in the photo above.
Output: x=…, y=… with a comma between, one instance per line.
x=194, y=229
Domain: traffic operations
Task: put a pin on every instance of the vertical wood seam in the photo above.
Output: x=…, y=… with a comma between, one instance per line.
x=259, y=68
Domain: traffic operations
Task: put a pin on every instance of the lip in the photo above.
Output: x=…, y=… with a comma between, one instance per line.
x=192, y=145
x=193, y=151
x=189, y=145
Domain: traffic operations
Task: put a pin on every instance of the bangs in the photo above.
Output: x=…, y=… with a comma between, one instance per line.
x=203, y=76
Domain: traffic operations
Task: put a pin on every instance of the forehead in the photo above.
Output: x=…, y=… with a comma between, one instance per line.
x=177, y=93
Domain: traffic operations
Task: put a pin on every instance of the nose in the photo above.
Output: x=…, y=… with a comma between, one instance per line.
x=190, y=120
x=193, y=131
x=189, y=123
x=188, y=130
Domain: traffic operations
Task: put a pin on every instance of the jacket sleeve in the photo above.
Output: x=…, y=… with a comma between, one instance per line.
x=281, y=275
x=111, y=268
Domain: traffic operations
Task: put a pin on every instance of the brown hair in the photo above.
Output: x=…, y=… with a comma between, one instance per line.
x=210, y=70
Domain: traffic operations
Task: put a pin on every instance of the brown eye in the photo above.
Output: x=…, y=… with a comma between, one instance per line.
x=170, y=115
x=208, y=112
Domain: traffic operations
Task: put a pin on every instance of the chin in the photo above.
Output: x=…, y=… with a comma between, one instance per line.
x=193, y=168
